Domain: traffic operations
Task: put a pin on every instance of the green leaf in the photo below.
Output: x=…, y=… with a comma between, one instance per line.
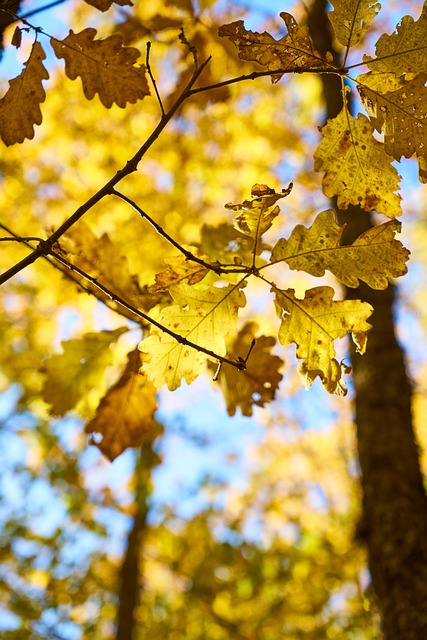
x=373, y=257
x=77, y=370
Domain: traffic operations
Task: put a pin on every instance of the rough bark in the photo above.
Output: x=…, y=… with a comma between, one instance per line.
x=394, y=523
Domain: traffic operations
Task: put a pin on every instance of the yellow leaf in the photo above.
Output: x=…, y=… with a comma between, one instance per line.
x=203, y=316
x=105, y=66
x=357, y=167
x=352, y=18
x=293, y=51
x=258, y=383
x=73, y=373
x=373, y=257
x=401, y=115
x=103, y=260
x=258, y=214
x=104, y=5
x=19, y=108
x=313, y=324
x=179, y=268
x=124, y=416
x=405, y=49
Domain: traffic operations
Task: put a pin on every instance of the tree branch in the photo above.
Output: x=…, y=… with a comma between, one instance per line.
x=239, y=363
x=131, y=166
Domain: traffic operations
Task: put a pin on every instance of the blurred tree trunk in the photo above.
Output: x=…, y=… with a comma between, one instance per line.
x=131, y=573
x=394, y=522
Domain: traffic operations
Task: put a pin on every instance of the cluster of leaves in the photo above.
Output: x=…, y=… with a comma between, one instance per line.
x=193, y=305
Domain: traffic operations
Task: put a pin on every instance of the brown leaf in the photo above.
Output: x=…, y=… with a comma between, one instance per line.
x=124, y=417
x=16, y=38
x=258, y=383
x=293, y=51
x=105, y=66
x=104, y=5
x=19, y=108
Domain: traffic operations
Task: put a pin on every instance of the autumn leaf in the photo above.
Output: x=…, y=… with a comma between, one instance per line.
x=258, y=383
x=373, y=257
x=105, y=66
x=228, y=245
x=401, y=114
x=349, y=155
x=20, y=106
x=179, y=268
x=313, y=324
x=104, y=5
x=293, y=51
x=124, y=417
x=351, y=19
x=103, y=260
x=79, y=368
x=404, y=50
x=204, y=316
x=258, y=214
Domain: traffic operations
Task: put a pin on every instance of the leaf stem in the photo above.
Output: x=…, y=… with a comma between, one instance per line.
x=147, y=64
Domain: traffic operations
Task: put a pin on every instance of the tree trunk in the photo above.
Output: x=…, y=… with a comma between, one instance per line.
x=394, y=523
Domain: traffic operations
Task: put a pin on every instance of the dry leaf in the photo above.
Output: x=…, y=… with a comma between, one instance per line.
x=19, y=108
x=352, y=18
x=105, y=66
x=124, y=417
x=104, y=5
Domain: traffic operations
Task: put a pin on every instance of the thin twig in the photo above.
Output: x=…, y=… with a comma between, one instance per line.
x=44, y=247
x=239, y=363
x=164, y=234
x=191, y=47
x=21, y=239
x=147, y=64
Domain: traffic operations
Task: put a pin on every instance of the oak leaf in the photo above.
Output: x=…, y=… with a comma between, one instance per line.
x=401, y=114
x=104, y=5
x=103, y=260
x=105, y=66
x=313, y=324
x=357, y=168
x=20, y=106
x=351, y=19
x=258, y=214
x=79, y=368
x=204, y=316
x=405, y=49
x=373, y=257
x=293, y=51
x=179, y=268
x=124, y=417
x=258, y=383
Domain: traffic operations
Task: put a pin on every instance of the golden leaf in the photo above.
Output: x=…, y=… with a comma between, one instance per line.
x=258, y=214
x=103, y=260
x=373, y=257
x=313, y=324
x=105, y=66
x=205, y=316
x=357, y=167
x=73, y=373
x=293, y=51
x=104, y=5
x=19, y=107
x=400, y=114
x=404, y=50
x=258, y=383
x=352, y=18
x=124, y=417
